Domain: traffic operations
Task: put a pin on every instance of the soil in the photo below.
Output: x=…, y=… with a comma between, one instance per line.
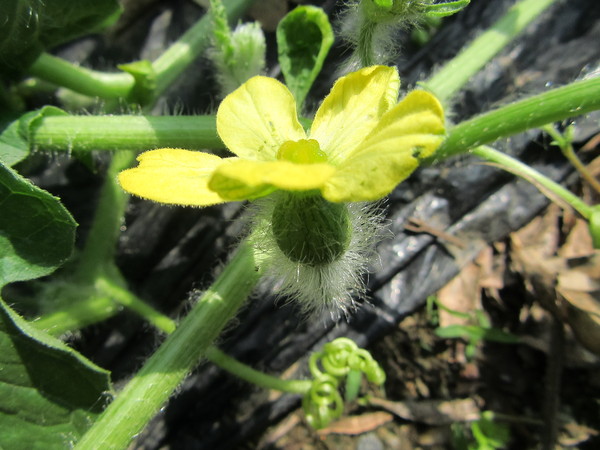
x=544, y=390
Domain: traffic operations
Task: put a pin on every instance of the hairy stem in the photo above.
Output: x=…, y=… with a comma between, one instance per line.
x=99, y=250
x=167, y=67
x=152, y=386
x=558, y=104
x=87, y=133
x=188, y=48
x=80, y=79
x=95, y=264
x=251, y=375
x=451, y=78
x=518, y=168
x=77, y=315
x=126, y=298
x=96, y=309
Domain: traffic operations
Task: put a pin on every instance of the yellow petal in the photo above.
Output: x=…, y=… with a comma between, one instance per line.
x=409, y=132
x=173, y=176
x=352, y=109
x=255, y=119
x=244, y=179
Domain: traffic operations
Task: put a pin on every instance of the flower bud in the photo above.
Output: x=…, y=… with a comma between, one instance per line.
x=238, y=55
x=381, y=11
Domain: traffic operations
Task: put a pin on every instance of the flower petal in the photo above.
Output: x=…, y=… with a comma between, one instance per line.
x=409, y=132
x=244, y=179
x=255, y=119
x=173, y=176
x=352, y=109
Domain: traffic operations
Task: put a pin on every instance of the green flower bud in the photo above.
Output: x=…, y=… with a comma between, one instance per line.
x=237, y=55
x=370, y=25
x=382, y=11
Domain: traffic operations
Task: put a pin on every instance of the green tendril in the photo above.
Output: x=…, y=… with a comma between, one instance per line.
x=323, y=403
x=341, y=356
x=338, y=359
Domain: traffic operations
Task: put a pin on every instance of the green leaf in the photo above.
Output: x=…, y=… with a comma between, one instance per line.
x=36, y=231
x=50, y=393
x=15, y=139
x=445, y=9
x=31, y=26
x=304, y=37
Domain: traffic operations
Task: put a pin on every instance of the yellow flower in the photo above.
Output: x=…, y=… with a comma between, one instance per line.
x=362, y=143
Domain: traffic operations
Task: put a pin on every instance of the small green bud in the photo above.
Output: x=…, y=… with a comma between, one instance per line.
x=239, y=54
x=382, y=11
x=310, y=230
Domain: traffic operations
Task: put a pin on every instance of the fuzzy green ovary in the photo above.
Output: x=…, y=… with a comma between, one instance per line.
x=310, y=230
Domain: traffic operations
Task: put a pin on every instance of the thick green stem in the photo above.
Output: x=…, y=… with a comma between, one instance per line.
x=94, y=310
x=558, y=104
x=79, y=79
x=95, y=271
x=101, y=243
x=182, y=53
x=106, y=300
x=450, y=79
x=523, y=170
x=261, y=379
x=152, y=386
x=87, y=133
x=167, y=67
x=126, y=298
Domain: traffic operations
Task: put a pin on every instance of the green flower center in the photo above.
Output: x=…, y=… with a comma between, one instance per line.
x=310, y=230
x=304, y=151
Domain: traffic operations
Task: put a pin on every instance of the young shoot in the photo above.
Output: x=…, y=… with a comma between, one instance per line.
x=371, y=26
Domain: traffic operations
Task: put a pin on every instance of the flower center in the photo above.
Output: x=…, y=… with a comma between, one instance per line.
x=304, y=151
x=310, y=230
